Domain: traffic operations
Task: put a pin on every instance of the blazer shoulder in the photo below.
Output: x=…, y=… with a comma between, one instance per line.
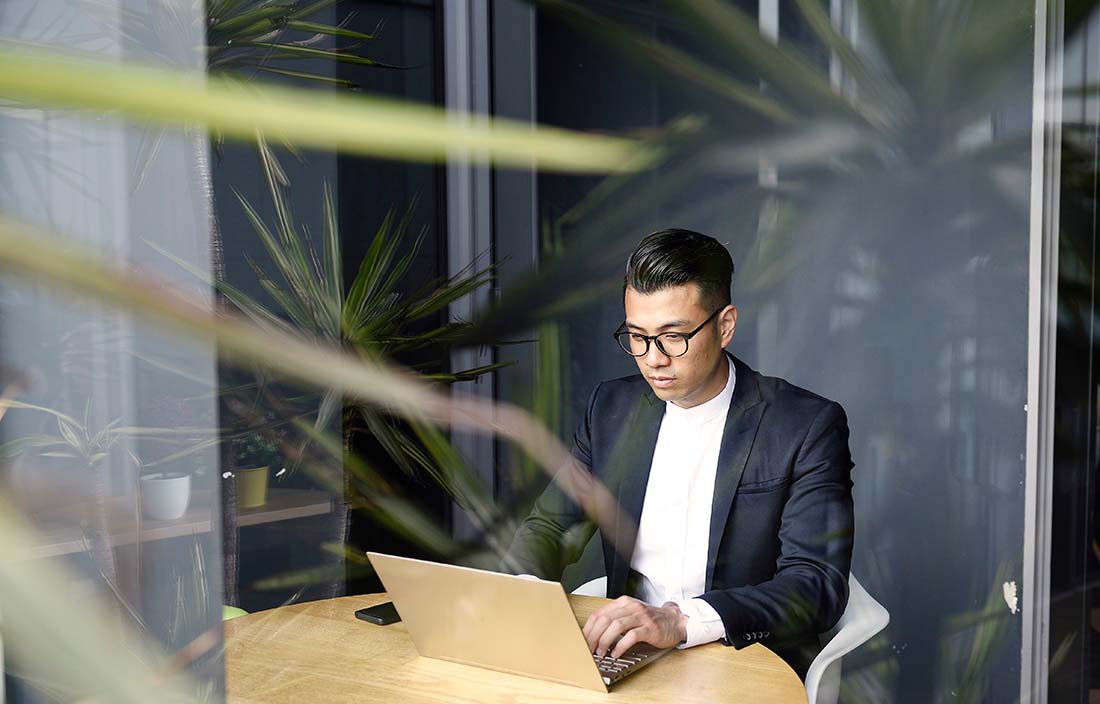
x=795, y=400
x=626, y=390
x=630, y=384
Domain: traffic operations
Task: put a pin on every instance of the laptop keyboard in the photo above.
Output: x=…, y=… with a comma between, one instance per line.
x=614, y=669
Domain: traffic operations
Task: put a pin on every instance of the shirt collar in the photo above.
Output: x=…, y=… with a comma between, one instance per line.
x=708, y=410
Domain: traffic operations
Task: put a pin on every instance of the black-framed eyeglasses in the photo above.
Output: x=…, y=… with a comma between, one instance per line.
x=672, y=344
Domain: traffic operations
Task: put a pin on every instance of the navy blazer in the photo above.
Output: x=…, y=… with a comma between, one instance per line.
x=781, y=524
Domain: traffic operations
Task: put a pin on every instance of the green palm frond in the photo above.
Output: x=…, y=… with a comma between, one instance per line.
x=330, y=233
x=248, y=36
x=328, y=29
x=76, y=440
x=295, y=51
x=304, y=280
x=255, y=21
x=466, y=374
x=373, y=490
x=735, y=40
x=308, y=285
x=371, y=292
x=870, y=80
x=443, y=294
x=684, y=70
x=305, y=75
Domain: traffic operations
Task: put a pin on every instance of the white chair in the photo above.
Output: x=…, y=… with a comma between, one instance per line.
x=595, y=587
x=862, y=619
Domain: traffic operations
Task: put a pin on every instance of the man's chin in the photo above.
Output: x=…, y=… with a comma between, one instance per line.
x=666, y=393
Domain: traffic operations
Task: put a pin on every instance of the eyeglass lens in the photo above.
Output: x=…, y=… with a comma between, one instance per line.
x=670, y=343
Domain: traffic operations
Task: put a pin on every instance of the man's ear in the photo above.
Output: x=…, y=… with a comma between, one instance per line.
x=727, y=323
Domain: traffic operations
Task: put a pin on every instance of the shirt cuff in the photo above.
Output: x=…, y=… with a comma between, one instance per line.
x=704, y=625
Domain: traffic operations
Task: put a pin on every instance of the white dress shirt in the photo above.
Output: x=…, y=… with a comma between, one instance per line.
x=674, y=529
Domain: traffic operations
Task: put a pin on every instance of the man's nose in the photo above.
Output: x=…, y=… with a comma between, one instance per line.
x=655, y=358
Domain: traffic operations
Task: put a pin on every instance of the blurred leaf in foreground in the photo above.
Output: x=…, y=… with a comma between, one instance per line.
x=362, y=124
x=30, y=253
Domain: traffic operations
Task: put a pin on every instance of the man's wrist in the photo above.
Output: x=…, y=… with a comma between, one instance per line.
x=704, y=623
x=681, y=620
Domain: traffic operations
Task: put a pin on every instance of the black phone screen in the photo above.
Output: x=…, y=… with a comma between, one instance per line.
x=382, y=614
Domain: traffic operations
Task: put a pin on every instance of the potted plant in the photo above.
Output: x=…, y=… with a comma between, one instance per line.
x=253, y=453
x=166, y=490
x=165, y=496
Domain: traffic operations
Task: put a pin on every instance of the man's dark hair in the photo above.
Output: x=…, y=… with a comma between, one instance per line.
x=676, y=257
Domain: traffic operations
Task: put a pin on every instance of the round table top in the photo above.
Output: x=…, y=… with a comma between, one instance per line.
x=319, y=651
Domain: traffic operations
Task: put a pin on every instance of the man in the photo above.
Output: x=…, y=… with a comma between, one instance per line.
x=739, y=484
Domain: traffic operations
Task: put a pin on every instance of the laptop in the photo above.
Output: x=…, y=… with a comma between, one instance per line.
x=501, y=622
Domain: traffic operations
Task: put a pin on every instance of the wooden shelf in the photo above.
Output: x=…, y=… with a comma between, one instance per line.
x=286, y=505
x=61, y=531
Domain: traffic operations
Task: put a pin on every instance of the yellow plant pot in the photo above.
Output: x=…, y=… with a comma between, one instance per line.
x=252, y=487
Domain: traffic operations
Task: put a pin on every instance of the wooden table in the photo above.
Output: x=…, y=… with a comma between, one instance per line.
x=319, y=652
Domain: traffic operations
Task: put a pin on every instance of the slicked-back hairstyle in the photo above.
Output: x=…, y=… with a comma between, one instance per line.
x=676, y=257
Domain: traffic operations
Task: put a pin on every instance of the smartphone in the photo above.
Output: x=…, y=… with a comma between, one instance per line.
x=383, y=614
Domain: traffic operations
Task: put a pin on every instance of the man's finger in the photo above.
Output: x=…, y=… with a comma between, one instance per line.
x=593, y=629
x=595, y=633
x=597, y=623
x=607, y=613
x=632, y=638
x=615, y=630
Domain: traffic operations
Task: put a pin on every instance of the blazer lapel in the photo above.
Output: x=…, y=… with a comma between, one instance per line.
x=630, y=463
x=742, y=421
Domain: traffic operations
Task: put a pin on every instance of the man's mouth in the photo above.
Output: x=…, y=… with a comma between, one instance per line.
x=662, y=381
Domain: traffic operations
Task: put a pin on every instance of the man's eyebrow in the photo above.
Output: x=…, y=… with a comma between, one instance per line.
x=666, y=326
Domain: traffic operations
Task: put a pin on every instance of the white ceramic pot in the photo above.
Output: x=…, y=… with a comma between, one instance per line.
x=165, y=495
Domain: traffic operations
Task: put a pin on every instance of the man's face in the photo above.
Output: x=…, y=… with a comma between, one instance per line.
x=700, y=374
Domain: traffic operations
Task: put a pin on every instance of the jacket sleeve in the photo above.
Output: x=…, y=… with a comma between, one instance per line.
x=539, y=546
x=809, y=591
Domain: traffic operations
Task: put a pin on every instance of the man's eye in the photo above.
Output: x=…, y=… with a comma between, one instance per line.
x=636, y=337
x=673, y=336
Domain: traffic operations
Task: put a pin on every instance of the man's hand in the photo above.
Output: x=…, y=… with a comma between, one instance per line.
x=630, y=621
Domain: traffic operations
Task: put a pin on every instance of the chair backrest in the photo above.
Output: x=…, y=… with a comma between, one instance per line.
x=862, y=619
x=595, y=587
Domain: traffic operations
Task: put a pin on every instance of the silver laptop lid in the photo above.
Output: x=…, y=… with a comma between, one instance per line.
x=497, y=621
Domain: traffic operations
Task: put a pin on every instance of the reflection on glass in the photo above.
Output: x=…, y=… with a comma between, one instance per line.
x=869, y=165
